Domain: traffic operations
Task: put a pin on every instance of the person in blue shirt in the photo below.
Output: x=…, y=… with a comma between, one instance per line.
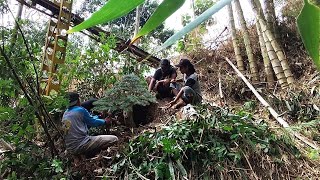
x=75, y=123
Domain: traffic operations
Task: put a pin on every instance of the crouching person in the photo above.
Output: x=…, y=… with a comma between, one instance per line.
x=161, y=80
x=191, y=92
x=75, y=123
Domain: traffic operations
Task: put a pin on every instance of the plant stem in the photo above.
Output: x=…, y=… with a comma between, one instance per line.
x=15, y=75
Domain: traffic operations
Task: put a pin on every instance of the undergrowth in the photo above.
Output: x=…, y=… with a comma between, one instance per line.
x=218, y=143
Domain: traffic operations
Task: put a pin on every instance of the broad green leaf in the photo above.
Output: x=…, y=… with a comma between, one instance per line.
x=111, y=10
x=309, y=28
x=189, y=27
x=163, y=11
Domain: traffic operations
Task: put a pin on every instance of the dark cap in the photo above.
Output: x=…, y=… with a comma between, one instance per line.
x=73, y=98
x=165, y=62
x=183, y=62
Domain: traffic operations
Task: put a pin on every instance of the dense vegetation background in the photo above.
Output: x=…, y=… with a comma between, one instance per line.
x=238, y=139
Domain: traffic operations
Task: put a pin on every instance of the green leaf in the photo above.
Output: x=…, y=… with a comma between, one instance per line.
x=234, y=136
x=227, y=128
x=189, y=27
x=171, y=170
x=167, y=145
x=163, y=11
x=309, y=28
x=182, y=170
x=111, y=10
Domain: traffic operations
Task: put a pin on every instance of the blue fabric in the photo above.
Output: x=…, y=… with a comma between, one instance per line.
x=92, y=121
x=75, y=125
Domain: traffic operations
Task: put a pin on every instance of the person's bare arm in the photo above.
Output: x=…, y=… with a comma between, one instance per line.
x=176, y=98
x=170, y=79
x=151, y=85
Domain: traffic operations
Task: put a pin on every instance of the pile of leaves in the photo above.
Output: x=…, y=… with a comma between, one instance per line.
x=218, y=144
x=298, y=106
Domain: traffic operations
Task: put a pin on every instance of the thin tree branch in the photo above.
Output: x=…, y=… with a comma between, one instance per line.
x=36, y=92
x=15, y=75
x=28, y=50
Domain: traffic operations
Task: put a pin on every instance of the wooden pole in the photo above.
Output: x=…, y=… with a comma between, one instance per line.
x=271, y=110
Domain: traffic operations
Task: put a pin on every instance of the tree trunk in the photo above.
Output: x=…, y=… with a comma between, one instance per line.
x=275, y=45
x=246, y=38
x=235, y=40
x=266, y=60
x=136, y=30
x=193, y=14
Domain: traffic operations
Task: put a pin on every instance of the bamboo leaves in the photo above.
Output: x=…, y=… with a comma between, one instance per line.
x=164, y=10
x=309, y=28
x=113, y=9
x=189, y=27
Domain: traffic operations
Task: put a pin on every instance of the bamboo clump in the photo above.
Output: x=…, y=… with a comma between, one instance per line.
x=235, y=40
x=270, y=38
x=246, y=39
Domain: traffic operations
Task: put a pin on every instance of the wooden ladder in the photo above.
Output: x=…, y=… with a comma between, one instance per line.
x=55, y=48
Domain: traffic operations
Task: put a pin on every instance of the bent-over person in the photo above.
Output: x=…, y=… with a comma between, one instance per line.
x=75, y=122
x=161, y=80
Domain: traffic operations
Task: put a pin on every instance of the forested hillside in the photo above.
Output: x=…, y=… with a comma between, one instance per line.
x=257, y=63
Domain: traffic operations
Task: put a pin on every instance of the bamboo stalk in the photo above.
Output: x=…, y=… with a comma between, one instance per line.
x=278, y=50
x=246, y=39
x=266, y=60
x=235, y=40
x=271, y=110
x=31, y=102
x=276, y=65
x=271, y=18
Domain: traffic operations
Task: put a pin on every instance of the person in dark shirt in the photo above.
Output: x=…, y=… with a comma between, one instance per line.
x=161, y=80
x=190, y=93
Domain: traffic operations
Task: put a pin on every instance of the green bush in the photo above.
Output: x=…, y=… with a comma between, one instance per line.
x=125, y=94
